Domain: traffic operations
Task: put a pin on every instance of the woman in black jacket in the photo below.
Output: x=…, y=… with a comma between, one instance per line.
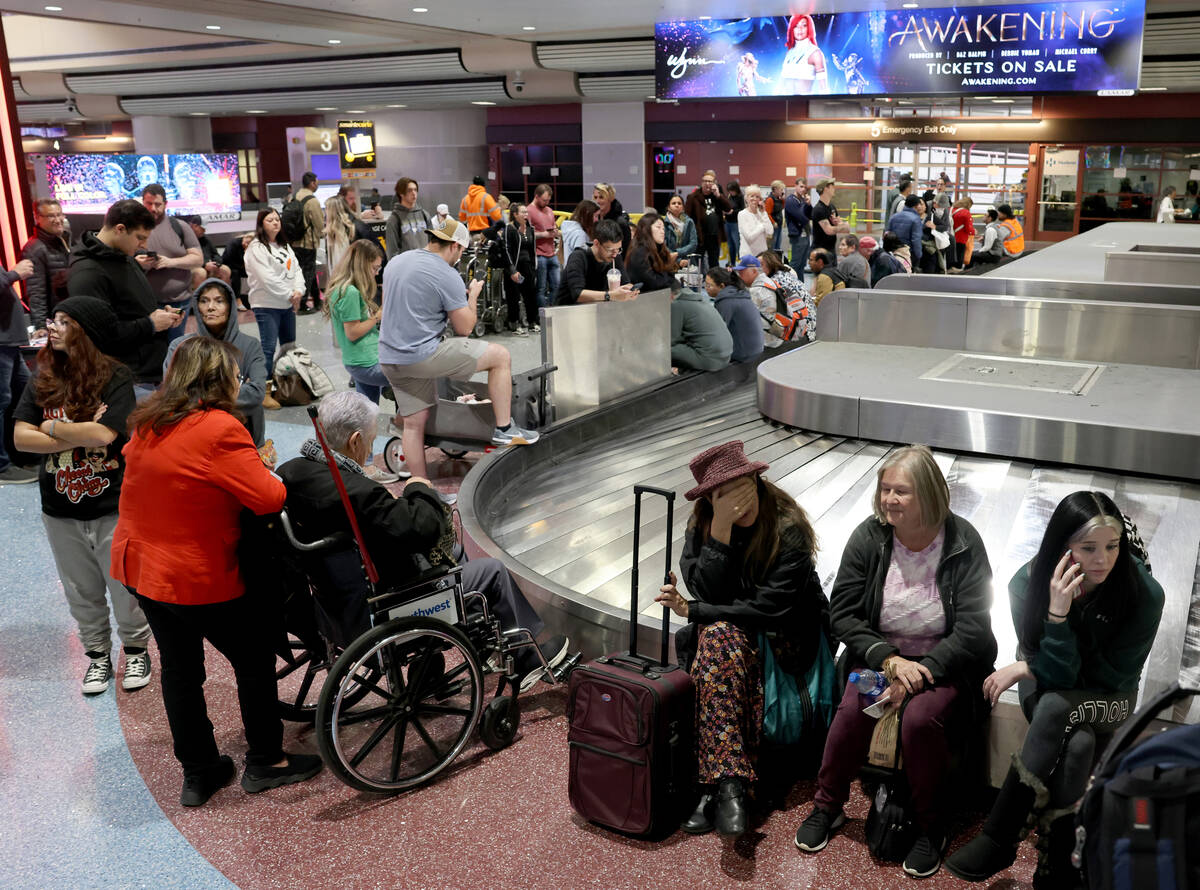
x=912, y=600
x=748, y=562
x=516, y=254
x=649, y=263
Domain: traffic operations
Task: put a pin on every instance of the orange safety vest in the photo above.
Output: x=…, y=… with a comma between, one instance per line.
x=478, y=209
x=1014, y=244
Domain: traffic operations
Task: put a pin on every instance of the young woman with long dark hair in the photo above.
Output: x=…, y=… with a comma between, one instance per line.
x=577, y=231
x=189, y=447
x=649, y=262
x=74, y=414
x=276, y=284
x=748, y=562
x=1086, y=611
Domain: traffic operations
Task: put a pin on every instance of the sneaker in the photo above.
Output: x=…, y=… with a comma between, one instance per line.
x=529, y=666
x=814, y=833
x=199, y=787
x=137, y=671
x=300, y=768
x=448, y=498
x=14, y=475
x=383, y=477
x=98, y=674
x=521, y=330
x=925, y=857
x=535, y=328
x=514, y=435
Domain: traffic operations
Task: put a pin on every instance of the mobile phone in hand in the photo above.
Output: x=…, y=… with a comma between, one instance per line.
x=480, y=273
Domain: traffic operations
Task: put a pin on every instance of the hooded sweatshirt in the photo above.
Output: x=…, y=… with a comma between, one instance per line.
x=98, y=270
x=737, y=309
x=405, y=229
x=251, y=364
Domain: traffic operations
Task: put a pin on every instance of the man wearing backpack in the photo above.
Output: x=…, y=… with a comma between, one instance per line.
x=303, y=223
x=172, y=253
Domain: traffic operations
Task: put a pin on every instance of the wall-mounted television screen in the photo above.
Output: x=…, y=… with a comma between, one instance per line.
x=203, y=184
x=953, y=50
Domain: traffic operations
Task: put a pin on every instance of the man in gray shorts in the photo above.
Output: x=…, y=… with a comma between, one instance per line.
x=422, y=291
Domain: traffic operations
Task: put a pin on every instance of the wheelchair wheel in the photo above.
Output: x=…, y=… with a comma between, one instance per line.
x=496, y=728
x=396, y=730
x=480, y=327
x=393, y=455
x=300, y=677
x=454, y=453
x=500, y=319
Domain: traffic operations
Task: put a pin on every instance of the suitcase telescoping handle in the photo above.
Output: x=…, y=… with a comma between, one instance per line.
x=638, y=491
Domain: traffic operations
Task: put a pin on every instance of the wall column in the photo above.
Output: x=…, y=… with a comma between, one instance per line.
x=171, y=135
x=614, y=150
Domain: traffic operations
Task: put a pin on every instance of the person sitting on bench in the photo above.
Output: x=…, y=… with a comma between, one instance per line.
x=396, y=528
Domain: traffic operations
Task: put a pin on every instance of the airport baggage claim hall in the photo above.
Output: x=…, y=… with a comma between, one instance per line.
x=825, y=234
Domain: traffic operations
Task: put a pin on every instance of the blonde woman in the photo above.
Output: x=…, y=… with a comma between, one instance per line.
x=754, y=226
x=339, y=232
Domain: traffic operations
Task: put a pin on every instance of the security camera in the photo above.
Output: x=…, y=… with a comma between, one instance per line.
x=518, y=82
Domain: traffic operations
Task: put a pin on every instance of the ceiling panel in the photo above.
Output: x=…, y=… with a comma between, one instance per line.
x=317, y=72
x=615, y=55
x=630, y=86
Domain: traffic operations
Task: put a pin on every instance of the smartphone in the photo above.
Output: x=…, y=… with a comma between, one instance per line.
x=635, y=287
x=480, y=273
x=152, y=254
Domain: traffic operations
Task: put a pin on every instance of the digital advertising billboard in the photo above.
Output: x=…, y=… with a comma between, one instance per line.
x=202, y=184
x=1093, y=47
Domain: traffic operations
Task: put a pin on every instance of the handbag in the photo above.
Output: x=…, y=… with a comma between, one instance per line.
x=789, y=709
x=291, y=390
x=941, y=239
x=891, y=827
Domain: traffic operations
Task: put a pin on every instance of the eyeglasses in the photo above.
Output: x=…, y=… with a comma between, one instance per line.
x=51, y=323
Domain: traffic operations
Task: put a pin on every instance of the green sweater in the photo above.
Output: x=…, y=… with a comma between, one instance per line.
x=699, y=336
x=1090, y=650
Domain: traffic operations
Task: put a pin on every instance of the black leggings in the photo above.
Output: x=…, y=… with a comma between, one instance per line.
x=526, y=291
x=1066, y=728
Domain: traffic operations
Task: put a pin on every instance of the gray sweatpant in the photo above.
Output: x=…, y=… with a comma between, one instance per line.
x=81, y=551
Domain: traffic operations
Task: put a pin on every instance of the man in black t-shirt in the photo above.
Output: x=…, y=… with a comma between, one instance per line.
x=585, y=273
x=826, y=223
x=707, y=208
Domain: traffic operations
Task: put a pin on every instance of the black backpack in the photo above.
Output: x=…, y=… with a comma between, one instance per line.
x=293, y=221
x=1139, y=821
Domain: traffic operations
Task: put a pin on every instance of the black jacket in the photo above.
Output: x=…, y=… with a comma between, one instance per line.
x=51, y=255
x=395, y=528
x=618, y=215
x=514, y=252
x=788, y=600
x=98, y=270
x=641, y=271
x=967, y=653
x=12, y=313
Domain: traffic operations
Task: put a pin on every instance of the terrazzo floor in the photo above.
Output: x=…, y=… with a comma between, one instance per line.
x=89, y=788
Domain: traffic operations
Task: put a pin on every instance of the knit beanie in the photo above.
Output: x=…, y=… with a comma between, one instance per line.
x=96, y=318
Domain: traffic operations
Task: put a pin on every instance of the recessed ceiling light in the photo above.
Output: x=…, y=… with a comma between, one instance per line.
x=1005, y=101
x=911, y=5
x=325, y=108
x=255, y=111
x=397, y=106
x=198, y=113
x=334, y=42
x=420, y=9
x=482, y=102
x=212, y=27
x=355, y=111
x=52, y=8
x=528, y=28
x=705, y=18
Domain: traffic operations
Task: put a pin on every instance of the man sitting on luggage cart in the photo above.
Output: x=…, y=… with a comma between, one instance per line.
x=422, y=292
x=396, y=528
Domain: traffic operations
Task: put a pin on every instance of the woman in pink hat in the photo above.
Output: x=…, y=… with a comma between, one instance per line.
x=748, y=564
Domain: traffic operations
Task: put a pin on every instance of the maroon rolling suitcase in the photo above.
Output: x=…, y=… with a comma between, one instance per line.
x=631, y=724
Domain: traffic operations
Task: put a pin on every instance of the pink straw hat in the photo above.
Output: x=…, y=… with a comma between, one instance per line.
x=720, y=464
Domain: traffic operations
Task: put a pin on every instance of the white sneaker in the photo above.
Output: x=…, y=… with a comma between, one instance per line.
x=98, y=674
x=383, y=477
x=521, y=330
x=137, y=671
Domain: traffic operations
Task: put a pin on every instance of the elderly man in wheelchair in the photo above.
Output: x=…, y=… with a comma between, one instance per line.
x=408, y=650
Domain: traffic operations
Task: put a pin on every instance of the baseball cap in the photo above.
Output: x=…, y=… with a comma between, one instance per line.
x=868, y=242
x=451, y=230
x=747, y=262
x=442, y=210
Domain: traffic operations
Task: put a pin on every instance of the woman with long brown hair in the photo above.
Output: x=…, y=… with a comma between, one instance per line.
x=74, y=414
x=649, y=262
x=188, y=449
x=577, y=231
x=748, y=563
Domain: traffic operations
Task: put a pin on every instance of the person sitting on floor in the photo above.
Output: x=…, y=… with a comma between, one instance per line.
x=699, y=338
x=763, y=291
x=748, y=561
x=737, y=310
x=912, y=601
x=396, y=528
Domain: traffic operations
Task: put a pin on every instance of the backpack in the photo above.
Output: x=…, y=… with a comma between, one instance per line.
x=293, y=220
x=792, y=314
x=177, y=228
x=296, y=374
x=1138, y=821
x=882, y=265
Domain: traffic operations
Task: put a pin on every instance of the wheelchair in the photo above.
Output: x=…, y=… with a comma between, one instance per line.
x=394, y=705
x=493, y=308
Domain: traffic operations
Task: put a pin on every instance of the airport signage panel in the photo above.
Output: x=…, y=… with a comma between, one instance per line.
x=203, y=184
x=1093, y=47
x=356, y=145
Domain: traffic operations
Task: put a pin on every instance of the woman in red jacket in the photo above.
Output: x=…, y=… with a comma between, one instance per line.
x=190, y=468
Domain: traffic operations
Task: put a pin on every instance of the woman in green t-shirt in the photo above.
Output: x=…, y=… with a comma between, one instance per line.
x=355, y=314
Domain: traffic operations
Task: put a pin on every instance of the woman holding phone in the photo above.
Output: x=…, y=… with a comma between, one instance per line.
x=1086, y=611
x=276, y=284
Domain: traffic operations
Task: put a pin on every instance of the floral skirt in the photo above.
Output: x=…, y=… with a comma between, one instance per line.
x=727, y=672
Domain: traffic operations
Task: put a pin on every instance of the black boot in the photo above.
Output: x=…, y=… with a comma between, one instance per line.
x=701, y=820
x=1056, y=841
x=731, y=807
x=995, y=848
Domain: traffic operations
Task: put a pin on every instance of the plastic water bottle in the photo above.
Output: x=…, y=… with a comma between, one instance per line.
x=869, y=683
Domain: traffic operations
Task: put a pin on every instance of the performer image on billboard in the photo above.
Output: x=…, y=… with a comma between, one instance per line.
x=804, y=65
x=856, y=81
x=747, y=75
